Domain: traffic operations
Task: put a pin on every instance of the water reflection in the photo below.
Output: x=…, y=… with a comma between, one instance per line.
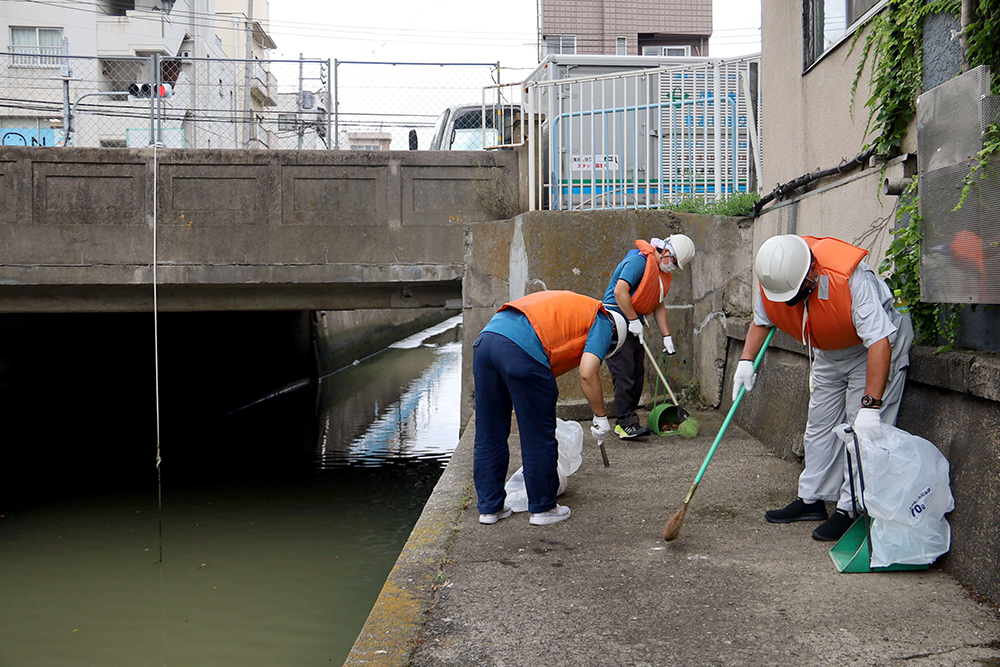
x=409, y=388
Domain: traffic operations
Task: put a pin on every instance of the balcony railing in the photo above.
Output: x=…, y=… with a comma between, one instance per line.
x=263, y=85
x=35, y=56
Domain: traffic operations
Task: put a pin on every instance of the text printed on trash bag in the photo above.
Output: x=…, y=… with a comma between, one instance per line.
x=921, y=501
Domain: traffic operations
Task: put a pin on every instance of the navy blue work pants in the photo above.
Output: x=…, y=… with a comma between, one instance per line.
x=628, y=371
x=508, y=378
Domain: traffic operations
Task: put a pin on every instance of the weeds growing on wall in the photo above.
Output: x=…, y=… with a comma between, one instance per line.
x=893, y=50
x=736, y=204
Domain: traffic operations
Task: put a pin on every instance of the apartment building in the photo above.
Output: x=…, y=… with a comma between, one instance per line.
x=625, y=27
x=93, y=64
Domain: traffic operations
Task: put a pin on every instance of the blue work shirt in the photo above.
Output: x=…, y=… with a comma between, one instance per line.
x=631, y=269
x=514, y=325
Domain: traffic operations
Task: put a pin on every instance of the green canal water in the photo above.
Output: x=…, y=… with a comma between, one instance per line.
x=278, y=523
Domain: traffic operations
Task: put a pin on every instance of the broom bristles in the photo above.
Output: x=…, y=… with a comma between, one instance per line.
x=673, y=527
x=689, y=428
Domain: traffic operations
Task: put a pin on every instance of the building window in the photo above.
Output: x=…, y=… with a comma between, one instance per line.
x=827, y=22
x=287, y=121
x=620, y=47
x=35, y=47
x=682, y=51
x=560, y=44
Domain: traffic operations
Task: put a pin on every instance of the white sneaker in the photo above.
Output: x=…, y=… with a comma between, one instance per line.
x=496, y=516
x=554, y=515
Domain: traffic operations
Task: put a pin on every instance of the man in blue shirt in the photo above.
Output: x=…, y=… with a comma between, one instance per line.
x=515, y=361
x=637, y=287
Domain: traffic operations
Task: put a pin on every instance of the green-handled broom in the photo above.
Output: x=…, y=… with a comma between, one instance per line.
x=676, y=522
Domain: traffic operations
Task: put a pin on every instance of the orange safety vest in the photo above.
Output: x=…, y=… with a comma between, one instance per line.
x=829, y=325
x=562, y=320
x=654, y=285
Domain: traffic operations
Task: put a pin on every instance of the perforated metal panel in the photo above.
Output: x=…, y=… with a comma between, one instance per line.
x=960, y=257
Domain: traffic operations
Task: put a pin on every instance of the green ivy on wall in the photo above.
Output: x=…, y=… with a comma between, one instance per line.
x=893, y=50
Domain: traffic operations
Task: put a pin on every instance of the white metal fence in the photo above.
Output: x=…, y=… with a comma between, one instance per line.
x=643, y=139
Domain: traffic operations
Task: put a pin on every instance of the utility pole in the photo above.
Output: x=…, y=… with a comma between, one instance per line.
x=247, y=63
x=963, y=38
x=66, y=72
x=299, y=120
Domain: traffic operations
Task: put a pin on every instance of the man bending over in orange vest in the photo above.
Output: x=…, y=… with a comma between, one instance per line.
x=516, y=359
x=638, y=287
x=818, y=291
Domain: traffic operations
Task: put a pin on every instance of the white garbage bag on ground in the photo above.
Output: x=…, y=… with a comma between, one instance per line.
x=569, y=435
x=907, y=493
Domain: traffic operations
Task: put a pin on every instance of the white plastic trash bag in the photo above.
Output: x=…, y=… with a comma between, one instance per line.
x=569, y=436
x=907, y=493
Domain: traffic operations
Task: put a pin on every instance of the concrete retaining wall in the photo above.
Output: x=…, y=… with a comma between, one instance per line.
x=578, y=251
x=347, y=335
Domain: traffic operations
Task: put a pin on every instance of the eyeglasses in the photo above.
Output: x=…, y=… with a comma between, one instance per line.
x=808, y=285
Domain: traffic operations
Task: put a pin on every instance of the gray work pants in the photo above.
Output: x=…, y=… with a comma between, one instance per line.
x=839, y=384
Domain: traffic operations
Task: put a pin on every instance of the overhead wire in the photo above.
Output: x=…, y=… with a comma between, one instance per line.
x=343, y=32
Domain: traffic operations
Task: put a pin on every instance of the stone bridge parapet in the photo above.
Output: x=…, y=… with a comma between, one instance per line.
x=237, y=230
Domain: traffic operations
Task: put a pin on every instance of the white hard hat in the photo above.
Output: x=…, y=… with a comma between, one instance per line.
x=782, y=264
x=621, y=329
x=683, y=248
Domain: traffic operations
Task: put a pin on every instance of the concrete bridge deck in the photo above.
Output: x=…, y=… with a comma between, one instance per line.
x=237, y=230
x=603, y=588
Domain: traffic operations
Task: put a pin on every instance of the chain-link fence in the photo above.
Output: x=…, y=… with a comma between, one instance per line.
x=53, y=99
x=48, y=100
x=378, y=104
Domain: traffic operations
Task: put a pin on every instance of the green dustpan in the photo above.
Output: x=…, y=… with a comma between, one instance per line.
x=852, y=552
x=664, y=419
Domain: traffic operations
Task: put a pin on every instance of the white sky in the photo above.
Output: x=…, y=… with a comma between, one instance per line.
x=396, y=99
x=453, y=30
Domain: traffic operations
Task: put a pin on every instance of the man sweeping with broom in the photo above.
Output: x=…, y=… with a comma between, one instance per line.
x=638, y=287
x=516, y=359
x=820, y=292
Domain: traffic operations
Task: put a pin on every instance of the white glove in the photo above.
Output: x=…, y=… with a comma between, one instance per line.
x=868, y=423
x=600, y=428
x=668, y=345
x=635, y=328
x=744, y=377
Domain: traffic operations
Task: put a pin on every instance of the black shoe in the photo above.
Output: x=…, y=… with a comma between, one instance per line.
x=634, y=431
x=798, y=510
x=833, y=528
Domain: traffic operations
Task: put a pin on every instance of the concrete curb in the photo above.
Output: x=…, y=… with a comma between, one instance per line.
x=396, y=621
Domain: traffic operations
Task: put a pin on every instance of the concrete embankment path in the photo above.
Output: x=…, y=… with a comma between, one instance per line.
x=603, y=588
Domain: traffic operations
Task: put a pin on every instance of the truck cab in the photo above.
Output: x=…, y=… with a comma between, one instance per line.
x=460, y=127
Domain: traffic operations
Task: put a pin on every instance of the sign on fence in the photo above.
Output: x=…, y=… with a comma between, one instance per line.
x=587, y=162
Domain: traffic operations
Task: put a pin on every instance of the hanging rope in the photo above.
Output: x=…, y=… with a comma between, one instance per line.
x=156, y=361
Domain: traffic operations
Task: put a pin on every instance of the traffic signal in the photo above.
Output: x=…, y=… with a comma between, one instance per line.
x=145, y=90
